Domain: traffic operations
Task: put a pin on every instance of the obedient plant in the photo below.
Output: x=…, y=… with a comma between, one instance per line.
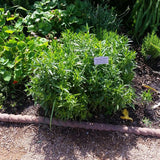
x=68, y=85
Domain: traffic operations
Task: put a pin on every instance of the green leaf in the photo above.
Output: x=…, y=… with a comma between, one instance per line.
x=2, y=60
x=44, y=27
x=7, y=76
x=9, y=31
x=20, y=8
x=6, y=48
x=21, y=45
x=54, y=103
x=11, y=18
x=18, y=24
x=2, y=10
x=9, y=65
x=12, y=43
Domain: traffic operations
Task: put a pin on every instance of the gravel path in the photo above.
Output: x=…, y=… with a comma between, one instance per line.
x=38, y=142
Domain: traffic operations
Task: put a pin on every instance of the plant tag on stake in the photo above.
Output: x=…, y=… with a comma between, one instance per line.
x=100, y=60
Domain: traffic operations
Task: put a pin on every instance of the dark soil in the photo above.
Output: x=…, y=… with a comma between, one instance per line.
x=143, y=115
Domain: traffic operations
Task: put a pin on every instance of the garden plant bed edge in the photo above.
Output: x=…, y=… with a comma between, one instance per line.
x=83, y=125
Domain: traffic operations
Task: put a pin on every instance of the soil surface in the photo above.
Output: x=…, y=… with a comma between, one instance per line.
x=38, y=142
x=30, y=142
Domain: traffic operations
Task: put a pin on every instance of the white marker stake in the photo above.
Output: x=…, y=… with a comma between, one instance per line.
x=100, y=60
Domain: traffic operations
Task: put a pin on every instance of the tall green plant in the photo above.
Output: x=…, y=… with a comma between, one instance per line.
x=146, y=16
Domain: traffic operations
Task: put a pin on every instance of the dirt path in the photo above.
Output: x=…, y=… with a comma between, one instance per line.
x=30, y=142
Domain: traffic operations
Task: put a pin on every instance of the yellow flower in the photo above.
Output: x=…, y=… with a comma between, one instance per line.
x=126, y=115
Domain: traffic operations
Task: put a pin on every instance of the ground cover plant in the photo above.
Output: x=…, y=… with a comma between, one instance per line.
x=68, y=85
x=16, y=53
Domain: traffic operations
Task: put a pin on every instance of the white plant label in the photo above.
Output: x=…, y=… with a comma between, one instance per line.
x=100, y=60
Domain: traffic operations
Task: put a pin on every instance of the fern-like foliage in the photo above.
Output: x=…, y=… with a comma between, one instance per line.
x=151, y=46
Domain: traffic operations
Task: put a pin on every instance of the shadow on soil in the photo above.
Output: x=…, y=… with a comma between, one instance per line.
x=77, y=144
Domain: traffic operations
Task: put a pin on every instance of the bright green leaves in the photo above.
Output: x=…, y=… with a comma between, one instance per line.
x=9, y=31
x=2, y=10
x=11, y=43
x=11, y=18
x=17, y=52
x=2, y=21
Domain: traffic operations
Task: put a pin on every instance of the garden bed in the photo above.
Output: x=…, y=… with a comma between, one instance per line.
x=55, y=65
x=143, y=115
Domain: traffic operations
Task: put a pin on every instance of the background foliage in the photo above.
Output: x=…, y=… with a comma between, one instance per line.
x=52, y=17
x=146, y=16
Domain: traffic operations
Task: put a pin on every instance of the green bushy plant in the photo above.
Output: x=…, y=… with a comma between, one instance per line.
x=68, y=85
x=151, y=46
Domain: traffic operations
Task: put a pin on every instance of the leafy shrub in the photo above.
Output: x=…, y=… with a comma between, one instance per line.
x=52, y=17
x=151, y=46
x=68, y=85
x=16, y=52
x=146, y=16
